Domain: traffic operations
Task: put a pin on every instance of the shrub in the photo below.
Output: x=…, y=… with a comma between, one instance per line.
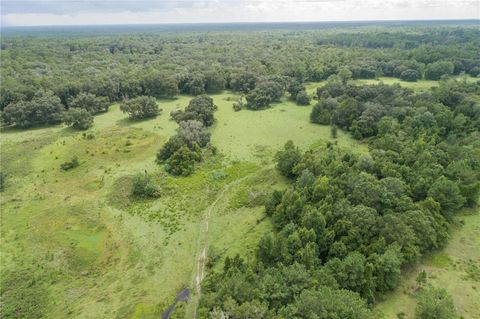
x=302, y=98
x=192, y=132
x=287, y=159
x=410, y=75
x=140, y=107
x=237, y=106
x=182, y=162
x=144, y=187
x=71, y=164
x=171, y=146
x=2, y=181
x=435, y=303
x=78, y=118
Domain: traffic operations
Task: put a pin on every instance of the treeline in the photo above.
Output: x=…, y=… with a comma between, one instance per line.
x=125, y=66
x=349, y=223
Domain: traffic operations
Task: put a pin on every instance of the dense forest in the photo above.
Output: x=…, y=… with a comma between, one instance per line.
x=61, y=70
x=347, y=224
x=350, y=223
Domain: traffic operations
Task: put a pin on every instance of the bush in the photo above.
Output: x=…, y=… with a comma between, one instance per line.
x=78, y=118
x=2, y=181
x=410, y=75
x=200, y=108
x=140, y=107
x=182, y=162
x=173, y=144
x=144, y=187
x=71, y=164
x=302, y=98
x=193, y=132
x=287, y=159
x=435, y=303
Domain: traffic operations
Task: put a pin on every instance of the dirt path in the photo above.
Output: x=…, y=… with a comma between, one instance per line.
x=202, y=255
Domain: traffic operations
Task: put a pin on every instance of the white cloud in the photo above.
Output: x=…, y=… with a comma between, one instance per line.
x=78, y=12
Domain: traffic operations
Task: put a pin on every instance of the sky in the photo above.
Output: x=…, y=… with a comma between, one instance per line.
x=98, y=12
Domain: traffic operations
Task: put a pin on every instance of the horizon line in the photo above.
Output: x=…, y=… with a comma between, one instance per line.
x=238, y=22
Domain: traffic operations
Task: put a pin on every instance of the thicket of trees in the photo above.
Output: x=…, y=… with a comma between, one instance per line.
x=184, y=149
x=141, y=107
x=349, y=223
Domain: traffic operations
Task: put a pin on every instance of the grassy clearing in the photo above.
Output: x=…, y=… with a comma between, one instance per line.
x=256, y=135
x=92, y=250
x=421, y=85
x=455, y=268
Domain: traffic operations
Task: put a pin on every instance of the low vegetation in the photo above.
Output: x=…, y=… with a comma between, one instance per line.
x=317, y=173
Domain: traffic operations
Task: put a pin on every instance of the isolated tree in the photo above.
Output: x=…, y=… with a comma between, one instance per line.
x=140, y=107
x=78, y=118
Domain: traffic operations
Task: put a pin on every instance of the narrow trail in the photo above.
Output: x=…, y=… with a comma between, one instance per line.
x=202, y=255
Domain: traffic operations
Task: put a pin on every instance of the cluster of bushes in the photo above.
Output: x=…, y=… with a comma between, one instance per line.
x=298, y=93
x=70, y=164
x=46, y=108
x=141, y=107
x=183, y=150
x=265, y=92
x=366, y=110
x=349, y=223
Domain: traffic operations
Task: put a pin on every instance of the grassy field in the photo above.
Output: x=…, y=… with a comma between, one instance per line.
x=421, y=85
x=455, y=268
x=75, y=244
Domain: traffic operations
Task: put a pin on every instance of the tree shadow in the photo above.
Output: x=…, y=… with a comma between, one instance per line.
x=126, y=122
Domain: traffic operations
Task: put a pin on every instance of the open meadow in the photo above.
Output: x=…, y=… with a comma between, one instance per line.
x=76, y=233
